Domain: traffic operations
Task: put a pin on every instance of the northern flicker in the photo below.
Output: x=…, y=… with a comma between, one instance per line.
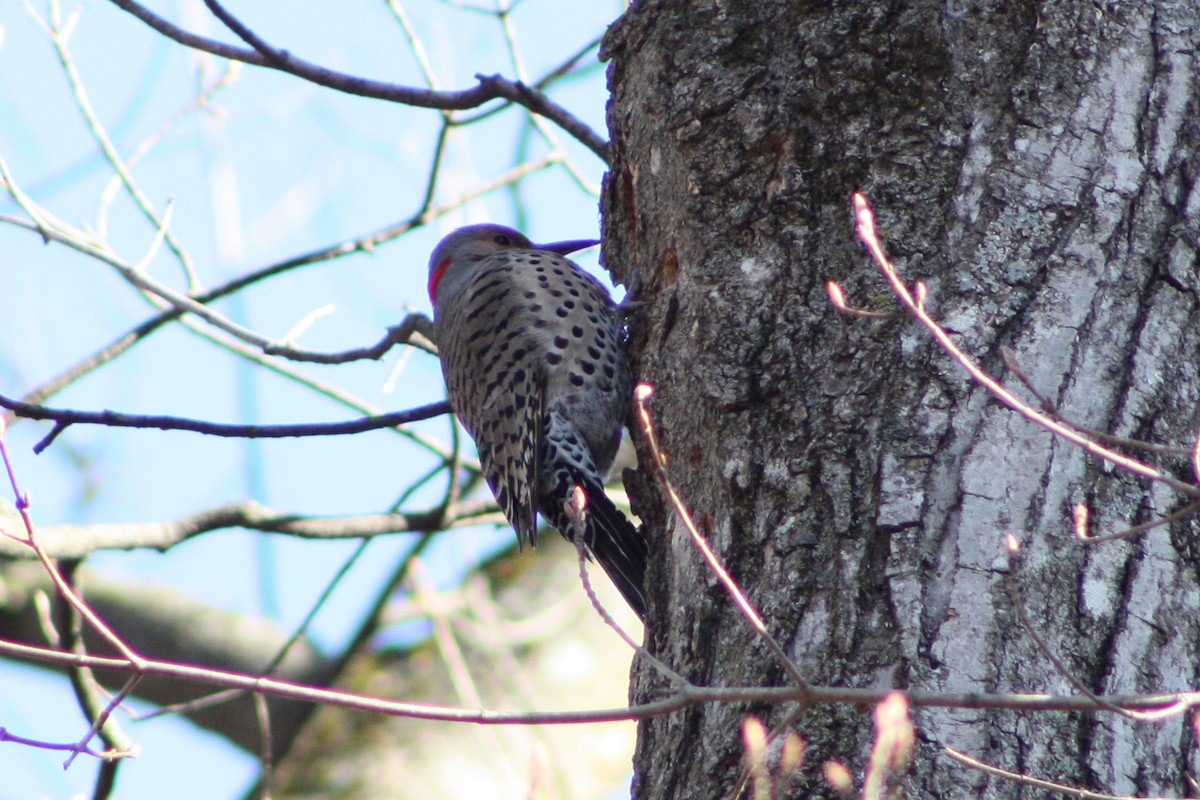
x=533, y=355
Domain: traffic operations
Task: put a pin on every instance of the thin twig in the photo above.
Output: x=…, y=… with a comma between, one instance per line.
x=1014, y=589
x=690, y=696
x=53, y=230
x=88, y=692
x=838, y=298
x=262, y=715
x=490, y=87
x=1081, y=524
x=201, y=101
x=58, y=35
x=64, y=589
x=1038, y=783
x=104, y=755
x=105, y=715
x=641, y=397
x=576, y=507
x=226, y=695
x=113, y=419
x=1010, y=362
x=537, y=120
x=79, y=541
x=916, y=305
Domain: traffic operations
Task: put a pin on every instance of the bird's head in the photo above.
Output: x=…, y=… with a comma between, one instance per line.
x=456, y=256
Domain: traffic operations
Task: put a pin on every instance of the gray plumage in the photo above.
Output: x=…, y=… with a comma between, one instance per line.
x=533, y=354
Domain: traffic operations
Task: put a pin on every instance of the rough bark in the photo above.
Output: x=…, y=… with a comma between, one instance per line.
x=1035, y=165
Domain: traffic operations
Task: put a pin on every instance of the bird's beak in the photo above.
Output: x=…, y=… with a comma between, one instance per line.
x=562, y=248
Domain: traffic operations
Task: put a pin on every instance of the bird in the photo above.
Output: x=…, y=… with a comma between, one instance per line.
x=533, y=352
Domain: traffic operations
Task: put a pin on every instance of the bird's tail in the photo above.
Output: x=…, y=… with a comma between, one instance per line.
x=619, y=547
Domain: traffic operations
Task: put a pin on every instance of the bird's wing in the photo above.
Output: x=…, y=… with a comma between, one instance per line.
x=497, y=387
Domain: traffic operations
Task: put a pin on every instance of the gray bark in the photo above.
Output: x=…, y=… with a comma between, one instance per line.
x=1035, y=165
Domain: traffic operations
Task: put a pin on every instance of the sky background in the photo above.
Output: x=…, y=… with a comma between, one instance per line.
x=275, y=168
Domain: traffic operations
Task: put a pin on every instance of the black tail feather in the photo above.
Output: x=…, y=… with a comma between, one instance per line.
x=619, y=547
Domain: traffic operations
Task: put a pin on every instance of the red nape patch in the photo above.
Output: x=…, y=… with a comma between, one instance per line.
x=436, y=277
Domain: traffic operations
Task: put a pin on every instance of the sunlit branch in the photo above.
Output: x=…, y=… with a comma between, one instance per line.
x=689, y=696
x=641, y=397
x=916, y=306
x=78, y=541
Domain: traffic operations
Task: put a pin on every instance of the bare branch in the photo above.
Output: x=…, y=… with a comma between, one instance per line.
x=1014, y=588
x=7, y=736
x=641, y=396
x=64, y=417
x=1038, y=783
x=58, y=34
x=916, y=306
x=689, y=696
x=1013, y=366
x=78, y=541
x=1081, y=515
x=575, y=507
x=90, y=695
x=263, y=54
x=51, y=230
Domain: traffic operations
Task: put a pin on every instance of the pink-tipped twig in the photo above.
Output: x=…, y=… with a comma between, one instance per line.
x=641, y=396
x=576, y=508
x=916, y=306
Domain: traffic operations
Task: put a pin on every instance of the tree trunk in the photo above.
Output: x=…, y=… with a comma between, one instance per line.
x=1035, y=165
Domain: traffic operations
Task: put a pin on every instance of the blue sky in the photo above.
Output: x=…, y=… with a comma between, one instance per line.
x=277, y=169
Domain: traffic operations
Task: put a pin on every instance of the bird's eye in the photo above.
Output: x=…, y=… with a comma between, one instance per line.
x=502, y=239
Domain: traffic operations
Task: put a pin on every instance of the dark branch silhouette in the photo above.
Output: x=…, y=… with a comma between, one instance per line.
x=63, y=417
x=262, y=54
